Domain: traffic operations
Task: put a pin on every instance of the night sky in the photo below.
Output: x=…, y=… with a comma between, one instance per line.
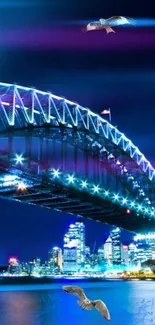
x=41, y=45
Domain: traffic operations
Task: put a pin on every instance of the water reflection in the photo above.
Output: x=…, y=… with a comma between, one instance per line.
x=129, y=303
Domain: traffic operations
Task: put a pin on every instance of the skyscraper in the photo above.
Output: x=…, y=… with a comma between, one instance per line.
x=57, y=258
x=116, y=246
x=132, y=253
x=108, y=251
x=70, y=259
x=124, y=254
x=100, y=255
x=75, y=239
x=148, y=243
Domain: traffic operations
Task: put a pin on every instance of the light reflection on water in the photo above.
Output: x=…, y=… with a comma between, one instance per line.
x=129, y=303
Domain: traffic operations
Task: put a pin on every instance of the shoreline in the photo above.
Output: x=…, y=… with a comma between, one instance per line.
x=50, y=280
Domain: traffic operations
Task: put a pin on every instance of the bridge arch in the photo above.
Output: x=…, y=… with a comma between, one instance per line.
x=23, y=108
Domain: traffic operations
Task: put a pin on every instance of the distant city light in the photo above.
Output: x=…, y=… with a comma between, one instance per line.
x=144, y=236
x=128, y=211
x=71, y=244
x=116, y=229
x=118, y=162
x=13, y=260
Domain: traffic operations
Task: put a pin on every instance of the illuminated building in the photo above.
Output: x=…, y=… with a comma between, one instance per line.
x=147, y=241
x=57, y=258
x=153, y=254
x=87, y=257
x=101, y=255
x=132, y=250
x=50, y=257
x=116, y=245
x=70, y=259
x=108, y=251
x=33, y=266
x=14, y=266
x=87, y=251
x=144, y=252
x=75, y=239
x=93, y=259
x=124, y=254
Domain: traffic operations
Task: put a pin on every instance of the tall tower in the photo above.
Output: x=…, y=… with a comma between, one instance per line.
x=75, y=239
x=108, y=250
x=57, y=258
x=116, y=246
x=124, y=254
x=100, y=255
x=132, y=249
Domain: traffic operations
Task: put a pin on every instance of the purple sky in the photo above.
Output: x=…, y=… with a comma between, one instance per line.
x=73, y=38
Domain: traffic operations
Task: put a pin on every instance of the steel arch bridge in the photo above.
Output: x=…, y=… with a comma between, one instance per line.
x=59, y=155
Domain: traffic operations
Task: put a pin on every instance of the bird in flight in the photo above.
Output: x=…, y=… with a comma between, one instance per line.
x=85, y=303
x=107, y=23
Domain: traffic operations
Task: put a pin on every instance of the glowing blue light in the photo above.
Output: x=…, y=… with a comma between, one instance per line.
x=72, y=226
x=9, y=178
x=71, y=179
x=19, y=159
x=135, y=154
x=146, y=210
x=56, y=173
x=84, y=184
x=132, y=204
x=96, y=189
x=106, y=193
x=116, y=197
x=152, y=213
x=118, y=162
x=139, y=207
x=124, y=201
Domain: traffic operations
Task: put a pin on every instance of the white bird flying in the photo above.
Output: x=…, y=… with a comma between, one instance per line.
x=107, y=23
x=85, y=303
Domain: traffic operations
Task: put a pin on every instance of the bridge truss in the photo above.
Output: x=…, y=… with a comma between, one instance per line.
x=124, y=195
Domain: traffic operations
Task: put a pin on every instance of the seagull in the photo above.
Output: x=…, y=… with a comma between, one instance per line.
x=85, y=303
x=107, y=23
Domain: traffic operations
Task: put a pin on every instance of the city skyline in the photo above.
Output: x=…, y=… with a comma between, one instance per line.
x=76, y=258
x=72, y=238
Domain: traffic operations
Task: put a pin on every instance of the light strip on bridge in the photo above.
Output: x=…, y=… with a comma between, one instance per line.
x=95, y=189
